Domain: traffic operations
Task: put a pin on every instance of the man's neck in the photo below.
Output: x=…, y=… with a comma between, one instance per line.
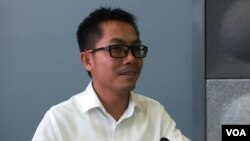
x=116, y=107
x=114, y=103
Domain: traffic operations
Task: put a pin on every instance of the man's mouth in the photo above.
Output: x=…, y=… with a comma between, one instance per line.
x=129, y=71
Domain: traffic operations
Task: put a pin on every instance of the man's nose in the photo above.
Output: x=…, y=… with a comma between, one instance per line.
x=130, y=54
x=130, y=57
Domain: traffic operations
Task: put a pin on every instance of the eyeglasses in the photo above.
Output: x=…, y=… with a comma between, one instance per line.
x=121, y=50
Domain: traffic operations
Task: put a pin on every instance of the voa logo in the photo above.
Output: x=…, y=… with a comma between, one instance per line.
x=236, y=132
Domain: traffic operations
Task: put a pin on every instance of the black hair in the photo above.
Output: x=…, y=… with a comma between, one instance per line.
x=89, y=31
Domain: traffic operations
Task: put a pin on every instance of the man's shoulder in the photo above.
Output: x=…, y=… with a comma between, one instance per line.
x=146, y=101
x=67, y=105
x=144, y=98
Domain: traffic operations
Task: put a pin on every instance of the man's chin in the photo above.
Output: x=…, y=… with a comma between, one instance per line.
x=128, y=85
x=128, y=88
x=131, y=87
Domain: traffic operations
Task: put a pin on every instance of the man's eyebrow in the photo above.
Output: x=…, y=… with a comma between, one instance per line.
x=120, y=41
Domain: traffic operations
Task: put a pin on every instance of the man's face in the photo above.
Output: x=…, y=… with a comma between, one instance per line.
x=115, y=74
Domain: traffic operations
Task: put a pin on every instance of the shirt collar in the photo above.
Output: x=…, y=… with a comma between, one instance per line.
x=89, y=100
x=134, y=100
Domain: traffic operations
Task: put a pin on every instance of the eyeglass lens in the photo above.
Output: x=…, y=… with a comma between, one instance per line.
x=122, y=51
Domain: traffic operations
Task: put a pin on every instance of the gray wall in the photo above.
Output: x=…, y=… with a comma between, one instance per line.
x=40, y=67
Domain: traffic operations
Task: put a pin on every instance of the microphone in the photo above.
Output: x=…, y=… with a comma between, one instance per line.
x=164, y=139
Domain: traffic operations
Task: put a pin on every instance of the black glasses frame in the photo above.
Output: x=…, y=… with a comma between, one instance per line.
x=133, y=48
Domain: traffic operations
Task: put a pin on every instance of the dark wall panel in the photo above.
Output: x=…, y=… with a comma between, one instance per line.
x=228, y=39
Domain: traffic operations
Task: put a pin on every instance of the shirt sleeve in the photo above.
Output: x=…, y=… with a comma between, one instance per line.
x=45, y=130
x=169, y=129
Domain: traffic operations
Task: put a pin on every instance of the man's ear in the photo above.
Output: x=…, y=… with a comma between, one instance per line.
x=86, y=60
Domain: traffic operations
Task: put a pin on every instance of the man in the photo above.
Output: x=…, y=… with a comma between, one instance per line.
x=108, y=109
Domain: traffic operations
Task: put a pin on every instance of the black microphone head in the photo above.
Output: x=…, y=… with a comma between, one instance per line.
x=164, y=139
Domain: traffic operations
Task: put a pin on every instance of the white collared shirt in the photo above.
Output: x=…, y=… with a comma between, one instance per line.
x=84, y=118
